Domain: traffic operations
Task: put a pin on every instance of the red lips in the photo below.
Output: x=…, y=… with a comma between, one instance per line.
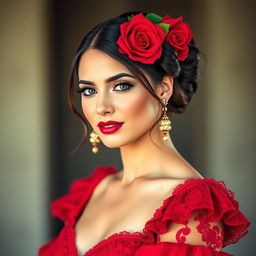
x=113, y=128
x=108, y=123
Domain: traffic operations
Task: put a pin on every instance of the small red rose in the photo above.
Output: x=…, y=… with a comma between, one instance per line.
x=179, y=36
x=141, y=39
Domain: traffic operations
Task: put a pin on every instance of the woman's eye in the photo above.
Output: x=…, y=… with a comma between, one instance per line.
x=123, y=86
x=88, y=91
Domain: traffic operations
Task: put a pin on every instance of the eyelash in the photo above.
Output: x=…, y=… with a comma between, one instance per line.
x=82, y=90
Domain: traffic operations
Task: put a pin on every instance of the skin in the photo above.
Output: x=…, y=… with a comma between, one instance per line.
x=149, y=173
x=139, y=110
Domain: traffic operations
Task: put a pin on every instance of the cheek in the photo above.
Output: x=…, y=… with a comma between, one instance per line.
x=139, y=106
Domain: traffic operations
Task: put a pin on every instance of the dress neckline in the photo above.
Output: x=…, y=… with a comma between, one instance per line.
x=145, y=234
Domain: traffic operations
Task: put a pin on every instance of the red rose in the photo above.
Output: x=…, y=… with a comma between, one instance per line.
x=179, y=36
x=141, y=39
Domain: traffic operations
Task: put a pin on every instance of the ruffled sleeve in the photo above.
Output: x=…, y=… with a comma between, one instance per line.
x=64, y=206
x=67, y=208
x=175, y=249
x=208, y=196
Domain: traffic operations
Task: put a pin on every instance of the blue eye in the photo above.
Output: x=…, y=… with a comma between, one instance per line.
x=85, y=91
x=124, y=86
x=88, y=91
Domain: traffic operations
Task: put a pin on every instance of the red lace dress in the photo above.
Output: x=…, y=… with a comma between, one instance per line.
x=209, y=198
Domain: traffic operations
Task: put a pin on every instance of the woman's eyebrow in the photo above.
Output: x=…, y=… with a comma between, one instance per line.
x=110, y=79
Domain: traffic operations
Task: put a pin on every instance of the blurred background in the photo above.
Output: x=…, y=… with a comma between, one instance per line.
x=216, y=134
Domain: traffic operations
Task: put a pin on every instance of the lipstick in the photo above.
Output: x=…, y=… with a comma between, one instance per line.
x=109, y=126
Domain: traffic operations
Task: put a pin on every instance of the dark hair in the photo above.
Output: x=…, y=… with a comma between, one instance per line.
x=104, y=36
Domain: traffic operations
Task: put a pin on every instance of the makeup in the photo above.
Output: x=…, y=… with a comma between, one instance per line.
x=109, y=126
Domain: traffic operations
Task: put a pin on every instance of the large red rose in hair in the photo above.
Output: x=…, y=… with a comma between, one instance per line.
x=179, y=36
x=141, y=39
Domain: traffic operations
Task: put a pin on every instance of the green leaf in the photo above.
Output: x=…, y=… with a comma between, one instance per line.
x=154, y=18
x=130, y=17
x=164, y=26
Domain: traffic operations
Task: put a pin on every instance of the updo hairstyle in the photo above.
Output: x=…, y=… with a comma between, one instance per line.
x=104, y=36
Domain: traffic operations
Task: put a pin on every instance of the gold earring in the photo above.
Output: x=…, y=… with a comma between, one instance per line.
x=94, y=139
x=165, y=122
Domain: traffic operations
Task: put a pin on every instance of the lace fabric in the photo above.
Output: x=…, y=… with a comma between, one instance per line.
x=207, y=195
x=212, y=235
x=215, y=202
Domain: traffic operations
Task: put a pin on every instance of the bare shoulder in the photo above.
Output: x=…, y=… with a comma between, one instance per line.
x=104, y=184
x=163, y=185
x=187, y=173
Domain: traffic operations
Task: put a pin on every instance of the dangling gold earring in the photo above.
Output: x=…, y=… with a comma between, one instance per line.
x=94, y=139
x=165, y=122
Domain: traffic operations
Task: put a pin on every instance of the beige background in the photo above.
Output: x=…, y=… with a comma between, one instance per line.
x=38, y=132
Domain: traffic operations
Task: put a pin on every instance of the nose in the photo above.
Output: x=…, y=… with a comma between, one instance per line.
x=104, y=105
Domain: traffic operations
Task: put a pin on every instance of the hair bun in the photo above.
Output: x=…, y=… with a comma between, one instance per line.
x=185, y=84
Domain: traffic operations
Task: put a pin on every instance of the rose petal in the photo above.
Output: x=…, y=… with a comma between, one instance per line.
x=182, y=55
x=172, y=21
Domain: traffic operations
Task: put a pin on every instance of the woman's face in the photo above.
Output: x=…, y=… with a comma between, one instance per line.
x=111, y=92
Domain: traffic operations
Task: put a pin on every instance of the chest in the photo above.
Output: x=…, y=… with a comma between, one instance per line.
x=113, y=212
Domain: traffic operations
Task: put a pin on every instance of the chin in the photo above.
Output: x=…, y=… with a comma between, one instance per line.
x=112, y=144
x=117, y=141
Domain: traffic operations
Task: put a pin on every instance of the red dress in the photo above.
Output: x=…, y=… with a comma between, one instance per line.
x=207, y=196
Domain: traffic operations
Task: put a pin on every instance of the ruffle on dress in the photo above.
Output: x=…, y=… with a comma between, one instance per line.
x=208, y=195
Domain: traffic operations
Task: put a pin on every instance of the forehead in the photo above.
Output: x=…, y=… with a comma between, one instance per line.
x=95, y=64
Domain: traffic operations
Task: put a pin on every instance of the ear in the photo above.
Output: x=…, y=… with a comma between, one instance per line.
x=165, y=89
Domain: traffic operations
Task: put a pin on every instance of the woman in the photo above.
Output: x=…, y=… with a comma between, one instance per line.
x=132, y=70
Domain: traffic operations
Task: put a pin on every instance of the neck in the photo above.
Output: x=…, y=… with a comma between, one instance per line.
x=148, y=157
